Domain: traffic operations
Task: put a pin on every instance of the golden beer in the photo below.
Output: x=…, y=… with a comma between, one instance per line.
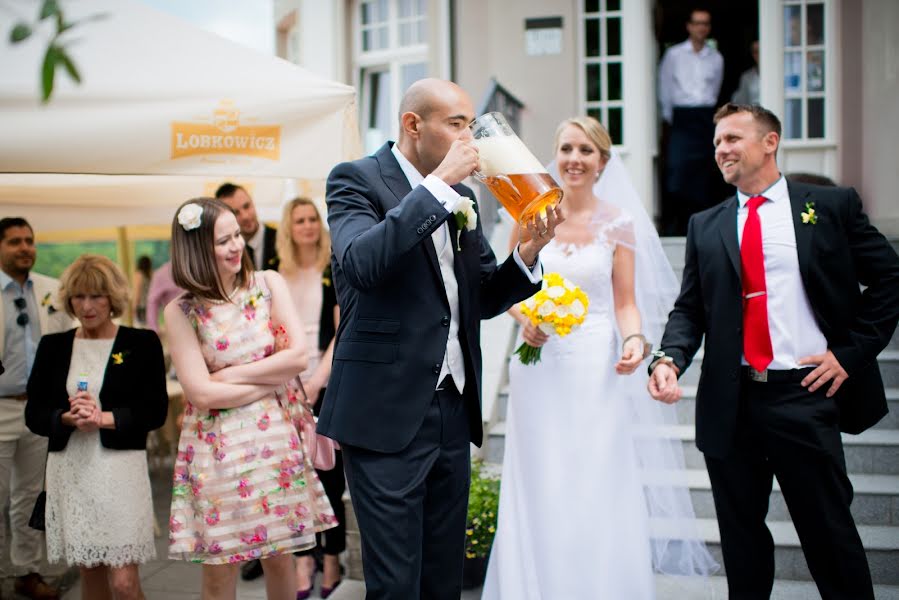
x=510, y=171
x=524, y=196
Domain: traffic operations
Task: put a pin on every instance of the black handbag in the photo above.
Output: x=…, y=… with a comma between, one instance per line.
x=37, y=514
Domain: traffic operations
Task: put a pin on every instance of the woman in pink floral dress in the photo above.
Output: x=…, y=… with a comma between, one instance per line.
x=242, y=488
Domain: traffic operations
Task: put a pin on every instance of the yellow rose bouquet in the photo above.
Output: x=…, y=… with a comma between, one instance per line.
x=556, y=309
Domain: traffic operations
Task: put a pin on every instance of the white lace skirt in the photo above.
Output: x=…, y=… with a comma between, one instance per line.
x=99, y=505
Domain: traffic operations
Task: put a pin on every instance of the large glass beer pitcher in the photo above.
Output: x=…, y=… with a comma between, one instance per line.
x=510, y=171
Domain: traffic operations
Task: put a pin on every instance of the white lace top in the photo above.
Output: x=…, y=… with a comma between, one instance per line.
x=99, y=503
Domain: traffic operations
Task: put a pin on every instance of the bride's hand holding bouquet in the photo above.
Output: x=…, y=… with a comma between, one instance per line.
x=559, y=308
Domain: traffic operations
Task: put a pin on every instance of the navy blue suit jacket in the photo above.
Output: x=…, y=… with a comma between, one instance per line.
x=394, y=313
x=837, y=253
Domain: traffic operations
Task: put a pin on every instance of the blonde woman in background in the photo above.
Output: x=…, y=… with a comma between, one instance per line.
x=304, y=246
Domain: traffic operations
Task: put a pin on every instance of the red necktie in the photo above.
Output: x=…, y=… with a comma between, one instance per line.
x=756, y=335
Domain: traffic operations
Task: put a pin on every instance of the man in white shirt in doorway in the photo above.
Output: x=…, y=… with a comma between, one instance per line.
x=690, y=77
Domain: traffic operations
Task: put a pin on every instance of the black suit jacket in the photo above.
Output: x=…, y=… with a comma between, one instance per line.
x=394, y=313
x=836, y=254
x=134, y=390
x=270, y=259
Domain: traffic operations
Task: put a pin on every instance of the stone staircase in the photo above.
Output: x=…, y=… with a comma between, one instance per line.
x=872, y=460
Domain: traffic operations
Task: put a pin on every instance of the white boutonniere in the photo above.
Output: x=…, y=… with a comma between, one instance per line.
x=466, y=218
x=809, y=216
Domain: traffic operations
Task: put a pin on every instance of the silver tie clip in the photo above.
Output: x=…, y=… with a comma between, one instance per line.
x=753, y=295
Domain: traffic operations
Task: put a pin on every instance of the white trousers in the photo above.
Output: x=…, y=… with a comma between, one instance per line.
x=22, y=459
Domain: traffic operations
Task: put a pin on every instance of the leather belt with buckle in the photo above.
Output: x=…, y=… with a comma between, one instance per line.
x=776, y=375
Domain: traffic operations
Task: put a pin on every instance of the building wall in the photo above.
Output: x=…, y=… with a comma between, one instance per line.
x=880, y=116
x=490, y=42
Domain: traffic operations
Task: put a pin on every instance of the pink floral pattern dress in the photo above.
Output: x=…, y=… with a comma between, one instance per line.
x=242, y=486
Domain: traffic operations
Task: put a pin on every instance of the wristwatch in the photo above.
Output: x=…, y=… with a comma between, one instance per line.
x=659, y=356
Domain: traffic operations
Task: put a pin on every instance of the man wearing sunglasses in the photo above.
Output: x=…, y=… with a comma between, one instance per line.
x=27, y=311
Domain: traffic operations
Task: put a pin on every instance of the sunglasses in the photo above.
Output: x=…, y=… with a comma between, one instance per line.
x=22, y=319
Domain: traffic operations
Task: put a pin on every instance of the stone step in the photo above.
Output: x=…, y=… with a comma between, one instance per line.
x=669, y=587
x=875, y=501
x=881, y=545
x=874, y=452
x=686, y=408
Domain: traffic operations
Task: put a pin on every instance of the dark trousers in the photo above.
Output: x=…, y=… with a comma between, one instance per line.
x=411, y=507
x=691, y=175
x=787, y=432
x=332, y=541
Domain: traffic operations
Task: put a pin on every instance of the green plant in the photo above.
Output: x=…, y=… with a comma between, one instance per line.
x=57, y=54
x=483, y=506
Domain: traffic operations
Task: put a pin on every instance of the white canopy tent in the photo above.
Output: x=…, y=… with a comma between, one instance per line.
x=165, y=112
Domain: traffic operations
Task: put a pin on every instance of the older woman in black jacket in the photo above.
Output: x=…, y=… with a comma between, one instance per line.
x=96, y=391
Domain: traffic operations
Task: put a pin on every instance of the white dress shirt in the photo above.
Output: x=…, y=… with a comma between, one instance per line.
x=689, y=78
x=453, y=361
x=794, y=332
x=257, y=243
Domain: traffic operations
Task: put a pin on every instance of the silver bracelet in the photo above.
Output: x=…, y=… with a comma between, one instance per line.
x=647, y=347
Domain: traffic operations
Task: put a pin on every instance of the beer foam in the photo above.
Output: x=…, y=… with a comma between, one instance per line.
x=506, y=155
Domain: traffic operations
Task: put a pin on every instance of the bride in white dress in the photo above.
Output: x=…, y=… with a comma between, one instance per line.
x=575, y=508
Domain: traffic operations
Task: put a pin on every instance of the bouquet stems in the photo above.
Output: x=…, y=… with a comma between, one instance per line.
x=527, y=354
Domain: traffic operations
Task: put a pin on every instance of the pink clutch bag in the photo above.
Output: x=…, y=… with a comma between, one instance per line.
x=318, y=448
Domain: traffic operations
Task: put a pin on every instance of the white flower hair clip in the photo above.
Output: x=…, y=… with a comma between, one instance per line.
x=189, y=216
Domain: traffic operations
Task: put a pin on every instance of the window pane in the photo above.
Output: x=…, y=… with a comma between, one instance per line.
x=613, y=37
x=411, y=73
x=594, y=89
x=406, y=8
x=596, y=113
x=614, y=80
x=591, y=6
x=793, y=119
x=793, y=72
x=792, y=25
x=616, y=125
x=374, y=11
x=613, y=5
x=815, y=69
x=408, y=33
x=816, y=117
x=592, y=45
x=378, y=109
x=814, y=26
x=366, y=39
x=382, y=37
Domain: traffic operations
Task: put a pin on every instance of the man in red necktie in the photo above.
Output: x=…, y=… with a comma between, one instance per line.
x=791, y=342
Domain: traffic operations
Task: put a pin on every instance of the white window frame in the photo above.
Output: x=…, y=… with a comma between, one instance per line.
x=604, y=104
x=830, y=74
x=391, y=59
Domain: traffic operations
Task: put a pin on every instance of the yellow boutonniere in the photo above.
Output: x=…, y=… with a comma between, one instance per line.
x=48, y=302
x=326, y=281
x=118, y=358
x=809, y=216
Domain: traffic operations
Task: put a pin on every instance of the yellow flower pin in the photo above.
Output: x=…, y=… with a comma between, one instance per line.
x=809, y=216
x=117, y=358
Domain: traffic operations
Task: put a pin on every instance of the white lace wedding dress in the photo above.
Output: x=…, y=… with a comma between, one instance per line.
x=573, y=520
x=99, y=503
